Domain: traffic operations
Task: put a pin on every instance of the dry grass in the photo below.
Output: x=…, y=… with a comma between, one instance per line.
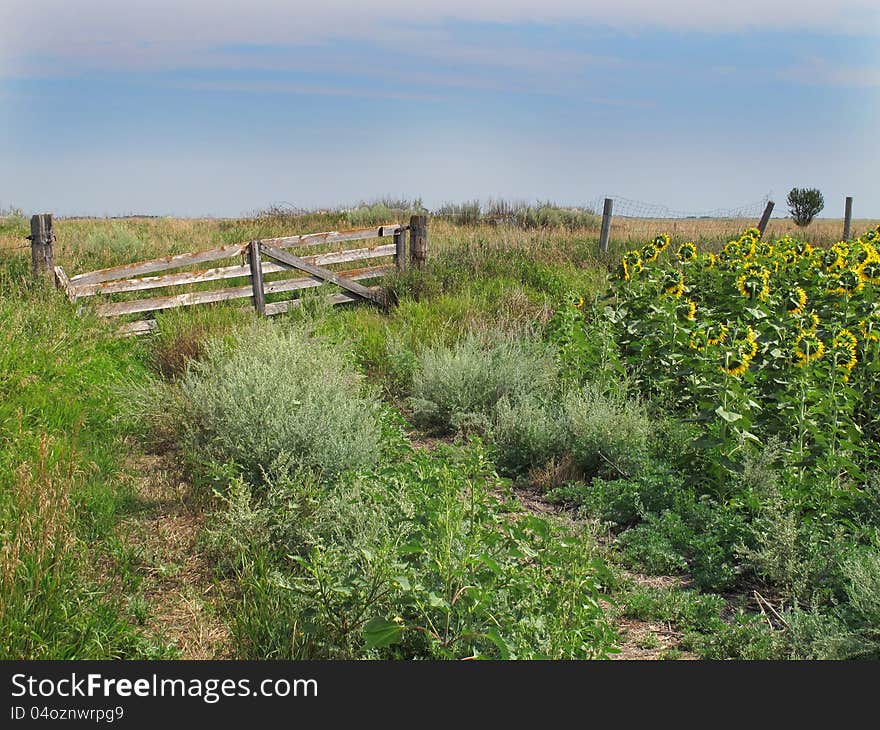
x=88, y=243
x=822, y=231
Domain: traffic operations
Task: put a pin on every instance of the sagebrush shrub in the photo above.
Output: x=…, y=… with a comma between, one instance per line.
x=459, y=387
x=527, y=434
x=596, y=433
x=276, y=402
x=606, y=433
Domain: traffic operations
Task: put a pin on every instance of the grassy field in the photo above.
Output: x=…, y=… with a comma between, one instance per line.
x=533, y=454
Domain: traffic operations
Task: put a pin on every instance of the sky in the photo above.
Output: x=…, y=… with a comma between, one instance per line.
x=193, y=108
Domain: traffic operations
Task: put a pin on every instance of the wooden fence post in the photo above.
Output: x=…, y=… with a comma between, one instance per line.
x=256, y=265
x=400, y=248
x=42, y=240
x=605, y=235
x=847, y=218
x=765, y=217
x=418, y=240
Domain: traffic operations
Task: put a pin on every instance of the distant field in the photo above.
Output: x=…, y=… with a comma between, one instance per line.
x=88, y=243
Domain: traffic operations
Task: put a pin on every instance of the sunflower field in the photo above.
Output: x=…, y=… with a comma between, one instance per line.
x=760, y=339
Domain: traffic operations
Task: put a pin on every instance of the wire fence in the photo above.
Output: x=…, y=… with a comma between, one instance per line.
x=627, y=208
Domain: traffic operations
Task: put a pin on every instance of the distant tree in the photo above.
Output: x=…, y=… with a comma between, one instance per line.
x=805, y=204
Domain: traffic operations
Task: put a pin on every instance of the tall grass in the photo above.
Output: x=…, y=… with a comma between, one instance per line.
x=60, y=458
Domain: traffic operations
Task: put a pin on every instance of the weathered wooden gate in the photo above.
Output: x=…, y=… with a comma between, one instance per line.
x=121, y=282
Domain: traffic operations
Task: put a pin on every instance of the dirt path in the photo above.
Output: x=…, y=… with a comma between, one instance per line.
x=180, y=596
x=181, y=599
x=642, y=640
x=649, y=640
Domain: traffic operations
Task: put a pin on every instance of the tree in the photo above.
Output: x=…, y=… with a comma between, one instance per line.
x=805, y=204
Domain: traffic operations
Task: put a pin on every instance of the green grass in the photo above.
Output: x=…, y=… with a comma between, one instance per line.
x=60, y=462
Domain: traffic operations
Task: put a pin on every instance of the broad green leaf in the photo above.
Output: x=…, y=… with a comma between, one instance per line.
x=728, y=416
x=380, y=632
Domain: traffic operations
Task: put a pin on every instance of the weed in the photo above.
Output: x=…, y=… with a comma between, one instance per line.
x=263, y=406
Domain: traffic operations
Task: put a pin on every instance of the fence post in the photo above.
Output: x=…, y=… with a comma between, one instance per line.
x=847, y=218
x=765, y=217
x=42, y=240
x=418, y=240
x=256, y=265
x=605, y=235
x=400, y=248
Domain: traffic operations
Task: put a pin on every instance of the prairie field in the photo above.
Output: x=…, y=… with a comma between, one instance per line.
x=666, y=451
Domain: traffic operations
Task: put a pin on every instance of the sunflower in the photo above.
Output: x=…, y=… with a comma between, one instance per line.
x=661, y=242
x=716, y=334
x=673, y=284
x=869, y=271
x=708, y=261
x=867, y=331
x=736, y=361
x=687, y=310
x=687, y=252
x=808, y=347
x=812, y=322
x=650, y=253
x=832, y=259
x=708, y=336
x=862, y=252
x=803, y=249
x=789, y=256
x=734, y=367
x=751, y=234
x=747, y=249
x=843, y=351
x=630, y=264
x=732, y=249
x=764, y=248
x=754, y=283
x=795, y=300
x=845, y=283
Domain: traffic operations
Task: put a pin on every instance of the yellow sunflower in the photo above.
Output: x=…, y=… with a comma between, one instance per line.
x=687, y=252
x=796, y=300
x=687, y=310
x=661, y=242
x=754, y=284
x=630, y=264
x=867, y=331
x=650, y=253
x=843, y=348
x=869, y=271
x=807, y=348
x=673, y=284
x=736, y=360
x=846, y=283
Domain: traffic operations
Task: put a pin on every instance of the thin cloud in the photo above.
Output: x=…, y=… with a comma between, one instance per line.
x=149, y=34
x=284, y=87
x=820, y=72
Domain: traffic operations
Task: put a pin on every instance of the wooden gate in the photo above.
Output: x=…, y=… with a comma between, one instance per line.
x=121, y=284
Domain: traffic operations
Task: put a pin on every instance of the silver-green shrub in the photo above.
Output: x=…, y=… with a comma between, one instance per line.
x=528, y=433
x=459, y=387
x=276, y=402
x=606, y=431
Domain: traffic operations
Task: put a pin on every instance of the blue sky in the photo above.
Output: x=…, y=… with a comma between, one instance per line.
x=220, y=108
